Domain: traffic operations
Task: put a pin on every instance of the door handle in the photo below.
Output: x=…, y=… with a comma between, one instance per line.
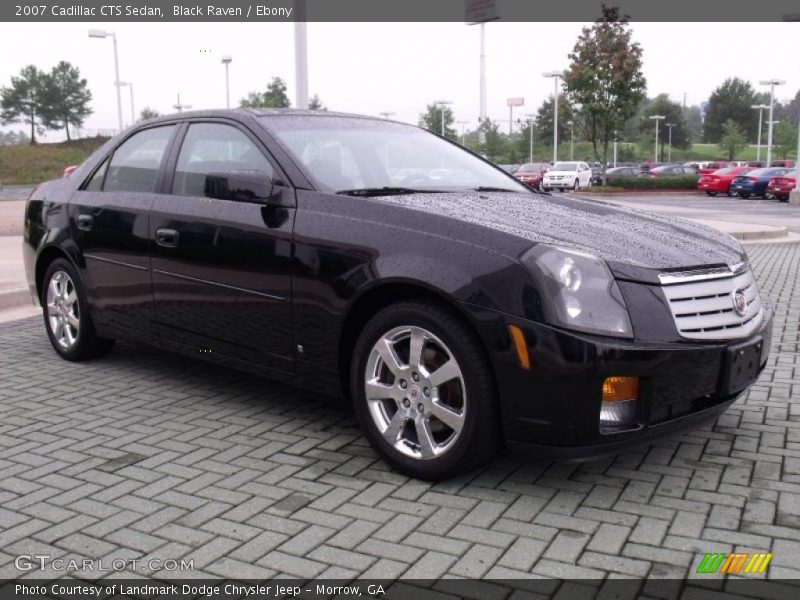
x=85, y=222
x=168, y=238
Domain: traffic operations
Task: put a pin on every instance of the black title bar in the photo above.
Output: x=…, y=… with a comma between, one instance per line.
x=396, y=11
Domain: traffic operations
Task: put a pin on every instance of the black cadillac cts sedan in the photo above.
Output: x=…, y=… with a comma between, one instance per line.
x=459, y=309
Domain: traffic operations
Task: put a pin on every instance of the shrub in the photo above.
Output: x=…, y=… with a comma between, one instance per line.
x=684, y=182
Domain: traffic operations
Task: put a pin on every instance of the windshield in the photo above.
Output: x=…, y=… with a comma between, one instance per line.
x=349, y=153
x=565, y=167
x=532, y=168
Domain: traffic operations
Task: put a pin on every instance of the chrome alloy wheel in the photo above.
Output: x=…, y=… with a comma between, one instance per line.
x=415, y=392
x=63, y=312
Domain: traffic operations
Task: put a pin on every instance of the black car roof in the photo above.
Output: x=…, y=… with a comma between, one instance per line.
x=259, y=112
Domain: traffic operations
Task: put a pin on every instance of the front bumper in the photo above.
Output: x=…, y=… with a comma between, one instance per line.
x=553, y=409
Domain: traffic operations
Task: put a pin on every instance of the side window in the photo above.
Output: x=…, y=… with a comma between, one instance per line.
x=212, y=148
x=95, y=184
x=134, y=165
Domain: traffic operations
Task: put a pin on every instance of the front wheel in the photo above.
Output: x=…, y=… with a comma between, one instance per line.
x=576, y=185
x=712, y=194
x=66, y=315
x=731, y=193
x=424, y=393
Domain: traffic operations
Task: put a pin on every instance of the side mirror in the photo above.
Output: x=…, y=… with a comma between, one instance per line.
x=240, y=186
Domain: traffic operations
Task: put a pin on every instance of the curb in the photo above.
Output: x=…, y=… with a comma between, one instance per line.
x=15, y=298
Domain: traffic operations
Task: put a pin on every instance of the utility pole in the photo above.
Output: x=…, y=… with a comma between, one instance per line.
x=669, y=143
x=530, y=130
x=463, y=130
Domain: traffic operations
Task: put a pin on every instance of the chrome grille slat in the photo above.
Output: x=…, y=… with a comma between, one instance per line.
x=703, y=308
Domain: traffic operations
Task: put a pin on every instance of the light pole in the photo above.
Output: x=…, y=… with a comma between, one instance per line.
x=226, y=60
x=657, y=118
x=443, y=103
x=99, y=33
x=133, y=111
x=760, y=108
x=794, y=197
x=771, y=83
x=615, y=148
x=669, y=142
x=555, y=75
x=571, y=138
x=301, y=55
x=463, y=130
x=179, y=106
x=530, y=130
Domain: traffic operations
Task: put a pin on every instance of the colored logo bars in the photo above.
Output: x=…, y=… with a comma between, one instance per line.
x=722, y=562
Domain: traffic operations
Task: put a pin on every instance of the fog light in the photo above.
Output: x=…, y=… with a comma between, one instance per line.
x=618, y=409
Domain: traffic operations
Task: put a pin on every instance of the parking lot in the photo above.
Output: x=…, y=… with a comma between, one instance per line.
x=146, y=454
x=695, y=205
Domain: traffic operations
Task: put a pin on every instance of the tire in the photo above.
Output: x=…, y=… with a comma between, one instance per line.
x=576, y=185
x=744, y=195
x=67, y=319
x=712, y=194
x=404, y=403
x=731, y=193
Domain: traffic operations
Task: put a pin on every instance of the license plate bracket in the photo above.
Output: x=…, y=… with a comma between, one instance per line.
x=742, y=364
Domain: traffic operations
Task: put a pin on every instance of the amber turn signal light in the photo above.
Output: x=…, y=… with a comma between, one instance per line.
x=521, y=347
x=617, y=389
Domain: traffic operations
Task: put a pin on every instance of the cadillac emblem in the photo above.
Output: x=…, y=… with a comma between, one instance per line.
x=740, y=302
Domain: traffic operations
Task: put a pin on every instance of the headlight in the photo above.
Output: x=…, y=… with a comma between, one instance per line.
x=579, y=290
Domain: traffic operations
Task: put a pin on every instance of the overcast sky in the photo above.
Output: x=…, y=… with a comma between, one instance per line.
x=374, y=67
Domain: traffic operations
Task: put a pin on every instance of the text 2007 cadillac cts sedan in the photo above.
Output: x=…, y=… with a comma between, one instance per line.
x=456, y=307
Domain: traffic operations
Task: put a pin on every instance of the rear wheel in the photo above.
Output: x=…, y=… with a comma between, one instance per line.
x=731, y=193
x=712, y=194
x=66, y=315
x=424, y=393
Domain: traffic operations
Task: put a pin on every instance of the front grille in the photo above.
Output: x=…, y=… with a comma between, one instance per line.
x=703, y=306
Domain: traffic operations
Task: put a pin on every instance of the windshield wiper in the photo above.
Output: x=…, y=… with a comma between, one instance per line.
x=385, y=191
x=486, y=188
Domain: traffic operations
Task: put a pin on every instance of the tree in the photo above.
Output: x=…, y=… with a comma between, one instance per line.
x=274, y=97
x=494, y=144
x=431, y=120
x=663, y=106
x=148, y=113
x=731, y=101
x=784, y=139
x=604, y=79
x=543, y=130
x=316, y=104
x=733, y=138
x=252, y=100
x=22, y=102
x=67, y=98
x=694, y=122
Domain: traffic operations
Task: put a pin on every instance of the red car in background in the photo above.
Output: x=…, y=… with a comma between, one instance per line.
x=706, y=168
x=781, y=187
x=531, y=174
x=719, y=182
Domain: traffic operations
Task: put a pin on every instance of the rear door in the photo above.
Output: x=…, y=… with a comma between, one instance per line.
x=109, y=224
x=222, y=268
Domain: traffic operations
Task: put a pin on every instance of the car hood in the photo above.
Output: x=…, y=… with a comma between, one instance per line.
x=636, y=244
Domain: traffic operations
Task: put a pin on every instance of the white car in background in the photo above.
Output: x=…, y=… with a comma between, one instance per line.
x=570, y=174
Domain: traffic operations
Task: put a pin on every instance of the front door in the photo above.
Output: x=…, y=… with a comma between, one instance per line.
x=222, y=268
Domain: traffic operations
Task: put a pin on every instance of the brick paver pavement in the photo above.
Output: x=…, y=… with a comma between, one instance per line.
x=147, y=454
